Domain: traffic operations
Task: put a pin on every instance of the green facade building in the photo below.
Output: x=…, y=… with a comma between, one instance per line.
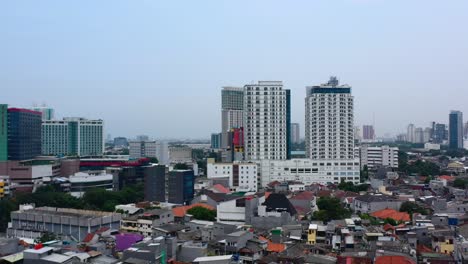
x=73, y=137
x=3, y=132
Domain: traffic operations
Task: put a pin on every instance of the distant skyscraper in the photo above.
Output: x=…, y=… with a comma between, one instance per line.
x=3, y=132
x=411, y=133
x=368, y=133
x=120, y=142
x=456, y=130
x=295, y=133
x=329, y=121
x=232, y=105
x=142, y=149
x=418, y=135
x=24, y=134
x=267, y=115
x=465, y=130
x=142, y=138
x=216, y=140
x=73, y=136
x=440, y=133
x=47, y=112
x=427, y=134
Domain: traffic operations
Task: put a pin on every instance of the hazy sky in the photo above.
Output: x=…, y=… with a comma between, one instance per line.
x=157, y=67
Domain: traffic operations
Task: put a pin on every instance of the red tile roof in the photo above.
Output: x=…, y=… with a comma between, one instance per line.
x=388, y=227
x=324, y=193
x=447, y=178
x=394, y=260
x=220, y=188
x=306, y=196
x=181, y=211
x=88, y=238
x=393, y=214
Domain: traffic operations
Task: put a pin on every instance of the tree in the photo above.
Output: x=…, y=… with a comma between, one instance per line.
x=411, y=208
x=330, y=208
x=350, y=187
x=202, y=213
x=364, y=173
x=153, y=160
x=460, y=183
x=391, y=221
x=46, y=237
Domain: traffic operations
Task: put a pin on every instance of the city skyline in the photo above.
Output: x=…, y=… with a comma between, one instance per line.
x=159, y=88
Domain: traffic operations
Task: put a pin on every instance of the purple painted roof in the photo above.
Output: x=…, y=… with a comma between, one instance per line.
x=125, y=241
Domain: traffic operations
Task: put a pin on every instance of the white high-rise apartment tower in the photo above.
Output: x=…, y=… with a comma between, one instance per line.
x=329, y=122
x=267, y=119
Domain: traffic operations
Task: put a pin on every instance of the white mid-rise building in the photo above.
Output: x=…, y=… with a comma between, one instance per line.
x=373, y=157
x=73, y=136
x=310, y=171
x=143, y=149
x=81, y=182
x=243, y=177
x=180, y=154
x=266, y=121
x=329, y=122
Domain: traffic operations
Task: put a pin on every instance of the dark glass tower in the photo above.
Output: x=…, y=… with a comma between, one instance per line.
x=456, y=130
x=181, y=186
x=24, y=134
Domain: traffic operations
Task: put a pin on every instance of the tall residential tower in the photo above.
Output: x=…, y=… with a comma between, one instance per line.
x=329, y=122
x=232, y=105
x=267, y=121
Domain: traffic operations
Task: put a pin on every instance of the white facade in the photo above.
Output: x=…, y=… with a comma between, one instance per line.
x=295, y=133
x=379, y=156
x=242, y=176
x=228, y=212
x=81, y=182
x=432, y=146
x=180, y=155
x=143, y=149
x=265, y=121
x=329, y=122
x=411, y=133
x=73, y=136
x=309, y=171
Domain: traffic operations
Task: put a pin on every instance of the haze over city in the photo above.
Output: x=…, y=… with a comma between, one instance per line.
x=157, y=68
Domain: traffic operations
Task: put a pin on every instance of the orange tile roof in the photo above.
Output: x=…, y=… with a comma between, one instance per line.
x=181, y=211
x=393, y=214
x=220, y=188
x=273, y=247
x=446, y=177
x=394, y=260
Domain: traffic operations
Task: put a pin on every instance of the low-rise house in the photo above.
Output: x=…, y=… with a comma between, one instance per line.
x=191, y=250
x=236, y=241
x=304, y=202
x=144, y=223
x=367, y=204
x=443, y=241
x=225, y=259
x=148, y=252
x=392, y=214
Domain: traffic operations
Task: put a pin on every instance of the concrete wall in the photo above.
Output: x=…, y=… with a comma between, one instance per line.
x=188, y=252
